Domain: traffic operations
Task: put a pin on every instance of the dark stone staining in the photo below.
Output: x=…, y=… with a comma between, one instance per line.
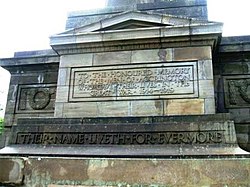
x=233, y=59
x=235, y=68
x=158, y=104
x=59, y=169
x=242, y=138
x=10, y=172
x=162, y=55
x=5, y=173
x=221, y=172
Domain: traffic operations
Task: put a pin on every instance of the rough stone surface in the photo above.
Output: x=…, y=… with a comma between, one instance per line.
x=184, y=107
x=192, y=53
x=2, y=140
x=11, y=171
x=67, y=172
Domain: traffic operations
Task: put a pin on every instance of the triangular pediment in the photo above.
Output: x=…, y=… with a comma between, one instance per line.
x=132, y=20
x=134, y=25
x=131, y=24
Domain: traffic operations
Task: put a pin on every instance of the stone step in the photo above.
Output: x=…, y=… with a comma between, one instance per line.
x=128, y=136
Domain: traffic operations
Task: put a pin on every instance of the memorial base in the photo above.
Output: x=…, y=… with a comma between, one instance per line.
x=197, y=135
x=130, y=151
x=82, y=172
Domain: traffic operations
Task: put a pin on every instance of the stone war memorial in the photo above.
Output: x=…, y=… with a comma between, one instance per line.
x=140, y=93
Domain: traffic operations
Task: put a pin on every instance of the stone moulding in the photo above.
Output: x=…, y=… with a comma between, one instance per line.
x=173, y=29
x=148, y=20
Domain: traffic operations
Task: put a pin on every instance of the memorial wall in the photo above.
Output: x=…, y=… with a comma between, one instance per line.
x=147, y=79
x=126, y=69
x=140, y=93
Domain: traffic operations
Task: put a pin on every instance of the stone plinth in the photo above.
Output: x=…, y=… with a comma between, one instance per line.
x=125, y=137
x=84, y=172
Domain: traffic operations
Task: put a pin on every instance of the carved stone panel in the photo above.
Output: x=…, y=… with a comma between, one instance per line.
x=237, y=91
x=36, y=98
x=151, y=81
x=101, y=139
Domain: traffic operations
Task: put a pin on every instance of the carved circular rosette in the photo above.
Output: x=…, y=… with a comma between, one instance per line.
x=39, y=98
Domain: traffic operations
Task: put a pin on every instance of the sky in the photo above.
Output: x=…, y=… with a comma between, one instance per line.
x=27, y=24
x=4, y=77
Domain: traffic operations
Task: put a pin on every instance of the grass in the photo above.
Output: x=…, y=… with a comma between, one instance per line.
x=1, y=125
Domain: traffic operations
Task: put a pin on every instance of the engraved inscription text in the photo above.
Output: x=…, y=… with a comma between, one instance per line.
x=142, y=138
x=156, y=80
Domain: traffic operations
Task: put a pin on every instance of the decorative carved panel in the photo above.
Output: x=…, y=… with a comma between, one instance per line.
x=237, y=91
x=36, y=98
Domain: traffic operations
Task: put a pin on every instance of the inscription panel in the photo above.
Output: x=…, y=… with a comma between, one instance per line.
x=36, y=98
x=137, y=138
x=237, y=91
x=150, y=81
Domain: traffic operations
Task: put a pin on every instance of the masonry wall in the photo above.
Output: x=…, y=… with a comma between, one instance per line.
x=232, y=84
x=201, y=101
x=32, y=89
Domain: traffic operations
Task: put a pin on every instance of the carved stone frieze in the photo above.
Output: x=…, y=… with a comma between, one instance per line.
x=237, y=91
x=36, y=98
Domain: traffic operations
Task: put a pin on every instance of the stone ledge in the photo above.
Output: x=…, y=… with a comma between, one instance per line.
x=235, y=44
x=28, y=61
x=46, y=52
x=113, y=120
